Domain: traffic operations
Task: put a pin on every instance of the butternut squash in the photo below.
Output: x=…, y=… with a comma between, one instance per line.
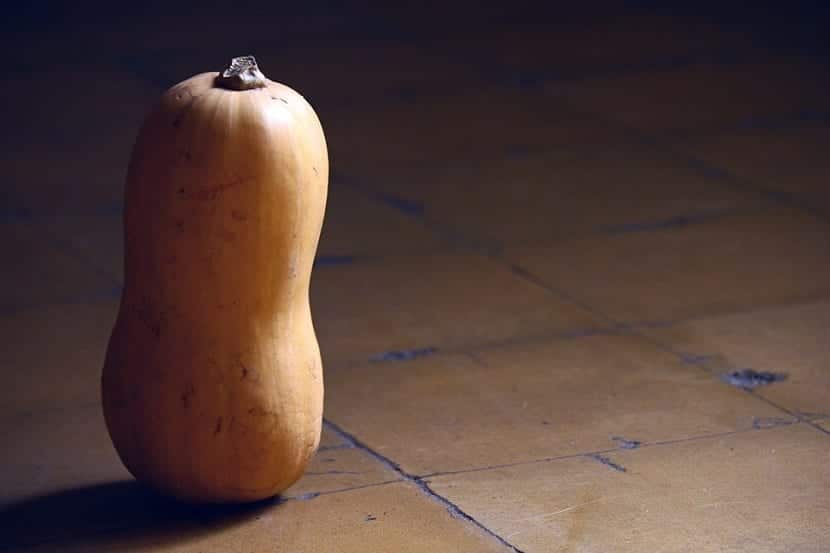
x=212, y=384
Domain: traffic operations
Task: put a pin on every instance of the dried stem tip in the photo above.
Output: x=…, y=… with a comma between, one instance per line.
x=243, y=74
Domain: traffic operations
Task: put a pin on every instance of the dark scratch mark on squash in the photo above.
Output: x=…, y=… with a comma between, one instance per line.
x=212, y=192
x=152, y=321
x=185, y=397
x=182, y=114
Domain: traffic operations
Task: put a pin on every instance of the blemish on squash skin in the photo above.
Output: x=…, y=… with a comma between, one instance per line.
x=238, y=215
x=218, y=427
x=260, y=412
x=177, y=122
x=227, y=235
x=153, y=322
x=212, y=192
x=185, y=397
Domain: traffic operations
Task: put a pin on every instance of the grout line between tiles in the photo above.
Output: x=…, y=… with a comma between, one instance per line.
x=635, y=328
x=722, y=176
x=90, y=261
x=78, y=254
x=800, y=417
x=49, y=411
x=312, y=495
x=458, y=238
x=508, y=77
x=707, y=171
x=784, y=122
x=602, y=452
x=114, y=529
x=634, y=331
x=454, y=510
x=818, y=427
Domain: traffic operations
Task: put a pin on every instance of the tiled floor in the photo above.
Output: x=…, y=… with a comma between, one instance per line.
x=545, y=252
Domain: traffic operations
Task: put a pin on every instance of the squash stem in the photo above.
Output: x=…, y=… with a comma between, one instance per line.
x=242, y=74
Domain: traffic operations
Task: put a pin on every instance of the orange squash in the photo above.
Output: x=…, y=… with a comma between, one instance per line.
x=212, y=385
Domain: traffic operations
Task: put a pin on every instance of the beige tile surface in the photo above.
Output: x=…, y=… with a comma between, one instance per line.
x=789, y=160
x=366, y=309
x=684, y=99
x=532, y=401
x=87, y=458
x=334, y=470
x=391, y=517
x=395, y=517
x=141, y=30
x=732, y=264
x=611, y=43
x=364, y=76
x=331, y=440
x=794, y=340
x=64, y=487
x=55, y=450
x=349, y=74
x=759, y=491
x=54, y=355
x=358, y=225
x=39, y=271
x=479, y=124
x=547, y=196
x=96, y=238
x=86, y=132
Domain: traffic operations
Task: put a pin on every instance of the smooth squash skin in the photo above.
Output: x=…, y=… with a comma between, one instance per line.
x=212, y=384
